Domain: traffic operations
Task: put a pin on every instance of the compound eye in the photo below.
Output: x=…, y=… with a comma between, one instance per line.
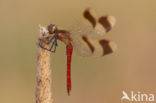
x=53, y=29
x=50, y=28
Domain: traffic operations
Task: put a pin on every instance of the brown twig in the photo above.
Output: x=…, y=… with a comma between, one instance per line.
x=43, y=86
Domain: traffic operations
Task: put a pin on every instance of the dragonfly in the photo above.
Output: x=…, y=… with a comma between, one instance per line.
x=87, y=39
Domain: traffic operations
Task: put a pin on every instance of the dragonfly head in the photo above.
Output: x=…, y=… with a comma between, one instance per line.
x=52, y=28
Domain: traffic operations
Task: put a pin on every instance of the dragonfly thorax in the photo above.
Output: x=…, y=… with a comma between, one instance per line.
x=64, y=36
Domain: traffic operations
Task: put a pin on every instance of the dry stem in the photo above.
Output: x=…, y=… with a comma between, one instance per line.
x=43, y=86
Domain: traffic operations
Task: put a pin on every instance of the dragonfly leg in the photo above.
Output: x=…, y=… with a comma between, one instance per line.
x=43, y=47
x=54, y=44
x=53, y=37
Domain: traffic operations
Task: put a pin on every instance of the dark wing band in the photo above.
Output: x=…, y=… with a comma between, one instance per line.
x=89, y=17
x=88, y=43
x=106, y=47
x=105, y=23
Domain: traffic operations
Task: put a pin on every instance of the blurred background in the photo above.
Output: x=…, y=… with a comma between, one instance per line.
x=94, y=80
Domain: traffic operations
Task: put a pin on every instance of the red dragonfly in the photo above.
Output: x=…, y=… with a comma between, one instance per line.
x=87, y=39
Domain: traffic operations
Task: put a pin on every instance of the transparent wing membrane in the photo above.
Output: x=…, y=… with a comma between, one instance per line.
x=87, y=35
x=95, y=48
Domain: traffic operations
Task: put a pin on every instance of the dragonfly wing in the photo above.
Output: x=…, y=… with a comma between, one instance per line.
x=86, y=36
x=90, y=16
x=82, y=47
x=107, y=22
x=104, y=24
x=93, y=48
x=93, y=27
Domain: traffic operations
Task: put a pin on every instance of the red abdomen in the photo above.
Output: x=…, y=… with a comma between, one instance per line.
x=69, y=50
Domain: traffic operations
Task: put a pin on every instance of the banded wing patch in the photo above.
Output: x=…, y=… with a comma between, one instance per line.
x=97, y=27
x=94, y=48
x=107, y=22
x=88, y=15
x=86, y=37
